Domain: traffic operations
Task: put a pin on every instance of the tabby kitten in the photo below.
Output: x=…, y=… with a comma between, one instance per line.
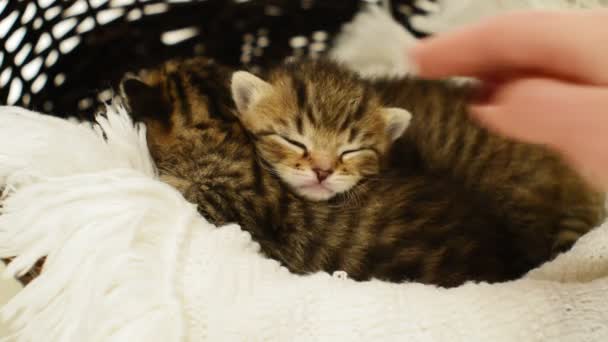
x=530, y=183
x=403, y=224
x=318, y=108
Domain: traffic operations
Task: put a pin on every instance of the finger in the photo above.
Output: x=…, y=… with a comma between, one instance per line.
x=567, y=117
x=571, y=45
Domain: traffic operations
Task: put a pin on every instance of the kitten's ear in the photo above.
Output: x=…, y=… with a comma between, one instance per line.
x=144, y=101
x=247, y=90
x=397, y=120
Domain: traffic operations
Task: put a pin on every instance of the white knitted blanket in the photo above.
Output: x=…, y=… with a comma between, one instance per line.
x=128, y=259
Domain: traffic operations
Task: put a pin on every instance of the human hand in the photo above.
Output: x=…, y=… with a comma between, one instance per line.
x=545, y=76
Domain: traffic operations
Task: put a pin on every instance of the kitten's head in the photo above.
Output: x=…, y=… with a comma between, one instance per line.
x=319, y=127
x=181, y=100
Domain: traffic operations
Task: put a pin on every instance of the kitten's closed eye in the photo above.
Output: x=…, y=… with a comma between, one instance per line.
x=356, y=151
x=294, y=143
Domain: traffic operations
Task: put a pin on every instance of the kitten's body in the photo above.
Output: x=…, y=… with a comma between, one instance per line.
x=528, y=183
x=415, y=223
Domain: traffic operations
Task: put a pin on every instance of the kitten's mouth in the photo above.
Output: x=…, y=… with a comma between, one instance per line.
x=317, y=191
x=316, y=186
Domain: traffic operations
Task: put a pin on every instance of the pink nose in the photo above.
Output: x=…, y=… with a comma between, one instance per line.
x=322, y=174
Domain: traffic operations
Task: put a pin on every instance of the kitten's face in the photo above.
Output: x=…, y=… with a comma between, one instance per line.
x=322, y=134
x=317, y=164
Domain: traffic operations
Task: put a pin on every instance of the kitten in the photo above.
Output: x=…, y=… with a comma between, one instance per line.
x=317, y=126
x=317, y=107
x=403, y=224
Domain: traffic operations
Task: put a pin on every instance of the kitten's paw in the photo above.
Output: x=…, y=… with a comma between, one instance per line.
x=374, y=45
x=571, y=229
x=564, y=241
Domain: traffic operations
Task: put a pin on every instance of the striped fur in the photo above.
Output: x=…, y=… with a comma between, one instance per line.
x=425, y=219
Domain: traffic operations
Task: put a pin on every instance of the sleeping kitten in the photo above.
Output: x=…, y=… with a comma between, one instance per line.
x=402, y=224
x=530, y=183
x=319, y=108
x=317, y=126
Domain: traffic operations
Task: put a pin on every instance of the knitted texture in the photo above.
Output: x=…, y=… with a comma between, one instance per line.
x=129, y=259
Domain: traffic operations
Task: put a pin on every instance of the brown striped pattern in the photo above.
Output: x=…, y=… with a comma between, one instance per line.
x=459, y=204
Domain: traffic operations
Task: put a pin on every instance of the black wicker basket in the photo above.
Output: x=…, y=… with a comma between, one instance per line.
x=64, y=57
